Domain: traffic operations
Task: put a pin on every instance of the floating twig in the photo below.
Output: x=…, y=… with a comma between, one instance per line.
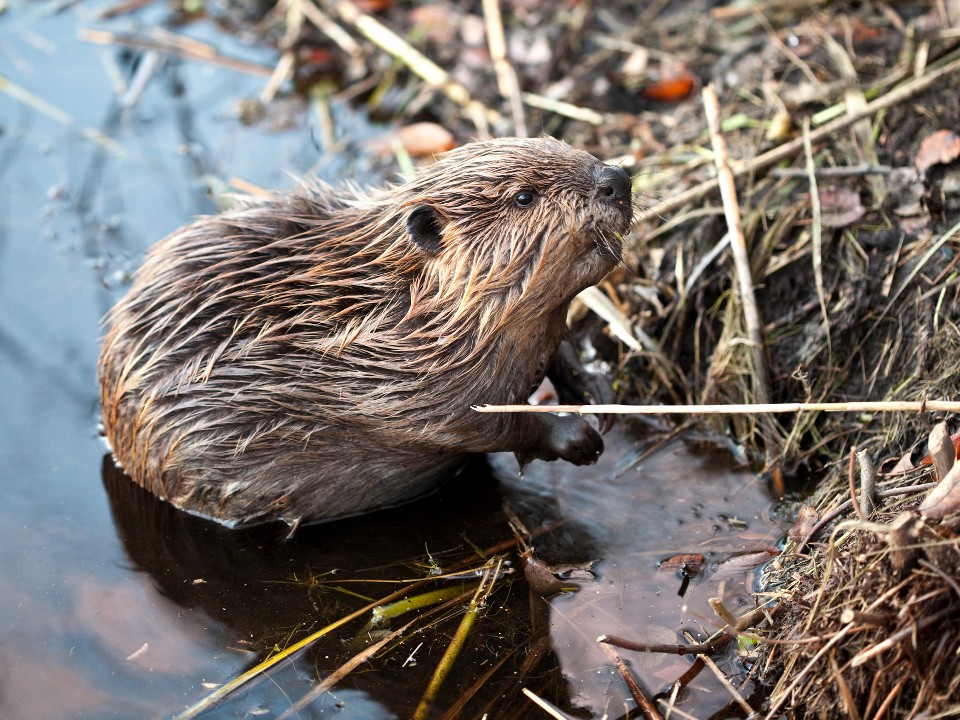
x=178, y=45
x=645, y=703
x=52, y=111
x=545, y=706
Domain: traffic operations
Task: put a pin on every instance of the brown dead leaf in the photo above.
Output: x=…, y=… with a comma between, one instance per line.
x=807, y=517
x=437, y=22
x=670, y=89
x=840, y=207
x=940, y=148
x=944, y=500
x=689, y=563
x=738, y=565
x=418, y=139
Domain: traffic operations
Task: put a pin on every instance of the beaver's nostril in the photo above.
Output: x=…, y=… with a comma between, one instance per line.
x=613, y=183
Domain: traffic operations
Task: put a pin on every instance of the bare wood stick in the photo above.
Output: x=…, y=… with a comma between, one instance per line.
x=854, y=500
x=545, y=706
x=431, y=73
x=868, y=482
x=738, y=244
x=644, y=701
x=721, y=676
x=942, y=451
x=175, y=45
x=574, y=112
x=789, y=149
x=742, y=408
x=506, y=76
x=24, y=96
x=328, y=27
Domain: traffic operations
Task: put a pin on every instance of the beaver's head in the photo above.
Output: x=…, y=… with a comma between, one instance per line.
x=520, y=216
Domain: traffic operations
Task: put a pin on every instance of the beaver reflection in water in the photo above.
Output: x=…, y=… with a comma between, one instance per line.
x=315, y=356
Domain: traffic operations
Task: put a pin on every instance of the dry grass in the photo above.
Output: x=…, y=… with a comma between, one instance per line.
x=871, y=621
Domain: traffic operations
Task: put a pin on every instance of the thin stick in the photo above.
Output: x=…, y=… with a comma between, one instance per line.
x=52, y=111
x=816, y=230
x=545, y=706
x=644, y=701
x=738, y=244
x=739, y=408
x=727, y=684
x=506, y=76
x=328, y=27
x=431, y=73
x=789, y=149
x=559, y=107
x=175, y=45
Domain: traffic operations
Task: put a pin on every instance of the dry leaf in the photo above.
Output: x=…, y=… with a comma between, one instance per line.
x=944, y=500
x=738, y=565
x=689, y=563
x=940, y=148
x=840, y=207
x=807, y=517
x=438, y=22
x=670, y=89
x=418, y=139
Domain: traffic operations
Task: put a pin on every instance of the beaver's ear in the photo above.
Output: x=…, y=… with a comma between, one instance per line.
x=424, y=226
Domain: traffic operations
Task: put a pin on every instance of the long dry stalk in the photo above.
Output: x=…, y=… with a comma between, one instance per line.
x=911, y=406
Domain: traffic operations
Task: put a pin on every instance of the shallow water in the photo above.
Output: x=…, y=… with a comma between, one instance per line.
x=116, y=605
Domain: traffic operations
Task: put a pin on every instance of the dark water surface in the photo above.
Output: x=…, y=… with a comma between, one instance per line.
x=114, y=605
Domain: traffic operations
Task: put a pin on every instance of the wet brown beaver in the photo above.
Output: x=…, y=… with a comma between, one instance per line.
x=316, y=355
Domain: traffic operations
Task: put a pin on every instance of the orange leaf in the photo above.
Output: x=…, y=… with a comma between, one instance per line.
x=671, y=89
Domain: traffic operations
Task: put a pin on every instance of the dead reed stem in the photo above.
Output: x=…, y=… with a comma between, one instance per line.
x=738, y=244
x=507, y=81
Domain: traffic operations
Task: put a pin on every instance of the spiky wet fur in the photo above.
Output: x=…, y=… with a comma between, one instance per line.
x=304, y=359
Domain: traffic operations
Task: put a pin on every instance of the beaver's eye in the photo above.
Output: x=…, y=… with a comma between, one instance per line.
x=525, y=198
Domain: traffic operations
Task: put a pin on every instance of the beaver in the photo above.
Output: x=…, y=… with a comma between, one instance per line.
x=315, y=355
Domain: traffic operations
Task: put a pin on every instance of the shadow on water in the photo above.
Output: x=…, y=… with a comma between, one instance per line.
x=623, y=517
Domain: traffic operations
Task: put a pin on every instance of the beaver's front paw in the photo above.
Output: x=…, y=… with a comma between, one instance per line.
x=571, y=438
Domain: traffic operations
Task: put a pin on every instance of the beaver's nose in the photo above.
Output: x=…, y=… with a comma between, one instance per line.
x=613, y=183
